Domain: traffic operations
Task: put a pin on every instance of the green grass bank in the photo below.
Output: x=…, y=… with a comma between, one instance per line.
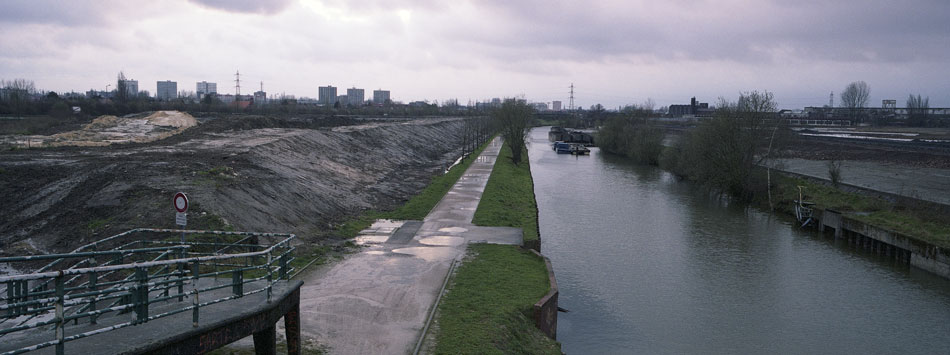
x=508, y=200
x=489, y=302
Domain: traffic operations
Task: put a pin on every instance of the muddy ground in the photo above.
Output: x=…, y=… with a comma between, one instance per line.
x=293, y=175
x=909, y=154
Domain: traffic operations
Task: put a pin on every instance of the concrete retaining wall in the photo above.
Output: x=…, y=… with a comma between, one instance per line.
x=545, y=310
x=918, y=253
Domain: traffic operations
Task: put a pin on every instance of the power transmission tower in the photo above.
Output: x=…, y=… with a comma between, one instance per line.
x=831, y=99
x=572, y=98
x=237, y=85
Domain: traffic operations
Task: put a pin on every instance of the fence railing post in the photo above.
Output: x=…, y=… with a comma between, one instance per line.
x=140, y=295
x=93, y=287
x=196, y=273
x=60, y=315
x=270, y=274
x=237, y=282
x=12, y=311
x=283, y=266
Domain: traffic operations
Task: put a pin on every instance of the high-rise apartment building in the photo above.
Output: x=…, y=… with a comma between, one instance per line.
x=556, y=105
x=355, y=96
x=327, y=95
x=203, y=88
x=380, y=96
x=166, y=90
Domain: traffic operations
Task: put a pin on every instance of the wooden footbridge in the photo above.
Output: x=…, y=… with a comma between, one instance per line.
x=152, y=291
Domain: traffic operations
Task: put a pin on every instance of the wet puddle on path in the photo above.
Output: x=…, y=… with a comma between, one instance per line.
x=453, y=230
x=428, y=253
x=371, y=239
x=442, y=240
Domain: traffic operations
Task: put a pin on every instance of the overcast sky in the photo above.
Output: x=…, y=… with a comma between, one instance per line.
x=614, y=52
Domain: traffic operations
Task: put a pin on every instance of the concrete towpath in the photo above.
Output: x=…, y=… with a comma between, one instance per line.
x=377, y=301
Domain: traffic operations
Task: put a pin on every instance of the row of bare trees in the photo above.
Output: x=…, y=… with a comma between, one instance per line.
x=855, y=97
x=16, y=94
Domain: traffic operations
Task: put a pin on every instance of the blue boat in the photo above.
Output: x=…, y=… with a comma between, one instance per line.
x=562, y=148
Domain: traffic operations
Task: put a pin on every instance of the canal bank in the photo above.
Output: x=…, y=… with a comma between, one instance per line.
x=902, y=248
x=650, y=264
x=909, y=231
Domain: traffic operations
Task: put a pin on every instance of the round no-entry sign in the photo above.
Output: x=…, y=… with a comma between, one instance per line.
x=181, y=202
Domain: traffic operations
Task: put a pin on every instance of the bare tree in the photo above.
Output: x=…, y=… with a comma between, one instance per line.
x=855, y=96
x=512, y=119
x=17, y=93
x=917, y=110
x=121, y=88
x=648, y=105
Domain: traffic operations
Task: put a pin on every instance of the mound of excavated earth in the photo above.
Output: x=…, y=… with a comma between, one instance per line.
x=254, y=174
x=108, y=129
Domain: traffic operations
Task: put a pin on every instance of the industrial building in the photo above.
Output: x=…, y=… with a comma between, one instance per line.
x=260, y=97
x=694, y=109
x=166, y=90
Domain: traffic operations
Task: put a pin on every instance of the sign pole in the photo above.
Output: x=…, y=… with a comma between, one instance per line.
x=180, y=202
x=181, y=217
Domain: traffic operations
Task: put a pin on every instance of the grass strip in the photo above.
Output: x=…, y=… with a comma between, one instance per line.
x=508, y=200
x=487, y=308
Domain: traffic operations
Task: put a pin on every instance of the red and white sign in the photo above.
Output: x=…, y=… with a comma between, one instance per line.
x=181, y=202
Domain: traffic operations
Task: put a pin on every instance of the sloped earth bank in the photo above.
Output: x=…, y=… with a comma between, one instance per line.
x=247, y=173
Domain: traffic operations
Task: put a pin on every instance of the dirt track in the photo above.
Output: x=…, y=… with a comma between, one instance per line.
x=250, y=173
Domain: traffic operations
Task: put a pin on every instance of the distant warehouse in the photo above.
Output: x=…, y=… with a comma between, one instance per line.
x=694, y=109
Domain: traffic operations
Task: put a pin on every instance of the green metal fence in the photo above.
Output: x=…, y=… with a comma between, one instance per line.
x=147, y=273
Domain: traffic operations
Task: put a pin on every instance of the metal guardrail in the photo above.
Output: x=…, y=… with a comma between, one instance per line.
x=163, y=273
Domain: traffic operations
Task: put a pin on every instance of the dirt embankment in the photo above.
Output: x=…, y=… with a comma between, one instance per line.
x=248, y=173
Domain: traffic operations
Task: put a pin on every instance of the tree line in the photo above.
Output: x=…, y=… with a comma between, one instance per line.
x=722, y=152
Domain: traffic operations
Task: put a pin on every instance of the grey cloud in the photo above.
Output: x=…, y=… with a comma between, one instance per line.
x=846, y=31
x=65, y=13
x=246, y=6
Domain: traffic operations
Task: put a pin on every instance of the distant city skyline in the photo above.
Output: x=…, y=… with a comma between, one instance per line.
x=615, y=53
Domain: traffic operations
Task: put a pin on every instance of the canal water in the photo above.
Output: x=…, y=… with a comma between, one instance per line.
x=647, y=264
